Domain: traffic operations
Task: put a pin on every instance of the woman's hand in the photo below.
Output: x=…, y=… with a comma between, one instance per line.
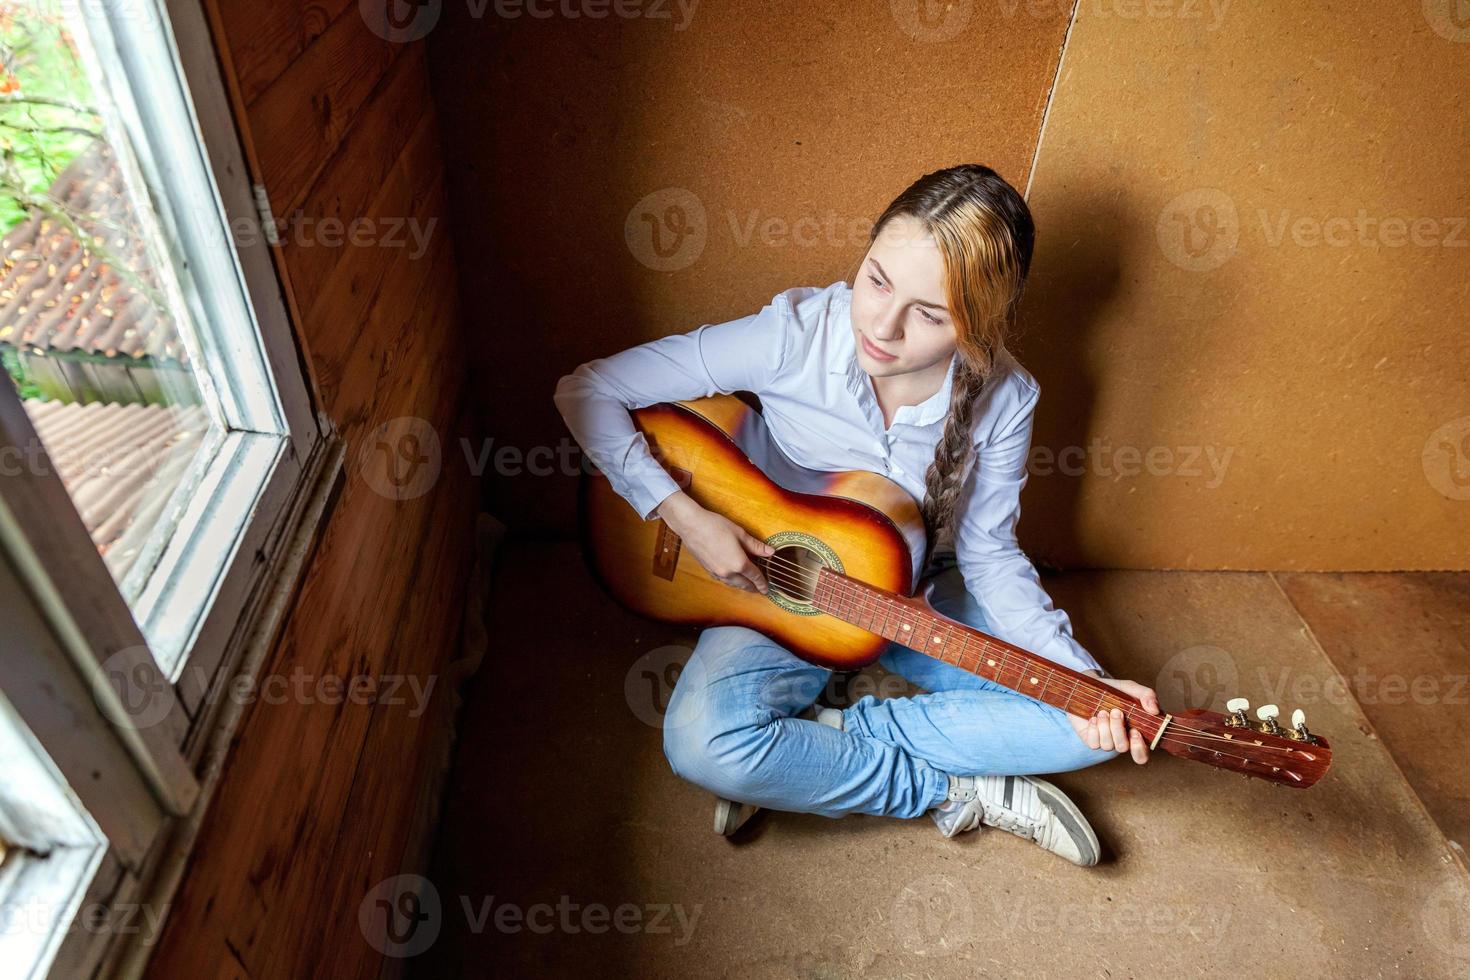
x=721, y=546
x=1108, y=730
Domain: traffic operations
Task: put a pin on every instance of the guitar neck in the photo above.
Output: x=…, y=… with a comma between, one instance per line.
x=913, y=624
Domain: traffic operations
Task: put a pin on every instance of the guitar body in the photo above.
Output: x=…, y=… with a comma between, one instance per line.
x=860, y=523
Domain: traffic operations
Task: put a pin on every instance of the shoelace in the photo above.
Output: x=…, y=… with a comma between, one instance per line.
x=1008, y=820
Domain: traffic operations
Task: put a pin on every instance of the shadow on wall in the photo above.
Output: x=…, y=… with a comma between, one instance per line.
x=1080, y=269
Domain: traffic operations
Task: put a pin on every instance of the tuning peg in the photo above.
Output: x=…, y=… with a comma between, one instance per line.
x=1267, y=712
x=1299, y=725
x=1237, y=708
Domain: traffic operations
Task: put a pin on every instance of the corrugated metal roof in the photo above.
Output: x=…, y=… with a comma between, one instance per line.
x=120, y=463
x=56, y=297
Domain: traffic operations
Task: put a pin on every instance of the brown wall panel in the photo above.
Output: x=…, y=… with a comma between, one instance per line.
x=1254, y=243
x=775, y=132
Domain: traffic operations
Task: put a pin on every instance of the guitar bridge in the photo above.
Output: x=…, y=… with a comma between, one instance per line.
x=667, y=544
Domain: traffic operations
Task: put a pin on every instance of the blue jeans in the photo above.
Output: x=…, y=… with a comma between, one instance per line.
x=730, y=728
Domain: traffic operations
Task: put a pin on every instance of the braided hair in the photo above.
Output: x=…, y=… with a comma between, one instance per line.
x=985, y=235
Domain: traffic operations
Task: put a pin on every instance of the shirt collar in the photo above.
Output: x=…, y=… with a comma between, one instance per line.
x=844, y=361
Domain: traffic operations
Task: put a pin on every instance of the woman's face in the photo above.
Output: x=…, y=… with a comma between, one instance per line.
x=898, y=303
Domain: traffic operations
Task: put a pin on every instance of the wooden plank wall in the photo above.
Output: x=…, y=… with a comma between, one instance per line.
x=316, y=802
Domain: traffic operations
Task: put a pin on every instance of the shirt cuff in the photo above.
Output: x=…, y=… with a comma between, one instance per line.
x=646, y=493
x=1068, y=652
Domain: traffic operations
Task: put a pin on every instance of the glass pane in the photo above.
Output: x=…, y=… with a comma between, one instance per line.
x=93, y=332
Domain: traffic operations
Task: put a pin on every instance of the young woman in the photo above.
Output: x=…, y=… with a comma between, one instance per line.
x=903, y=372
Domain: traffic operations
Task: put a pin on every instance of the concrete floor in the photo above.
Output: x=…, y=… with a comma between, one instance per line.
x=561, y=798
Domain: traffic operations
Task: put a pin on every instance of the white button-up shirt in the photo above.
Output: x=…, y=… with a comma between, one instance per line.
x=798, y=354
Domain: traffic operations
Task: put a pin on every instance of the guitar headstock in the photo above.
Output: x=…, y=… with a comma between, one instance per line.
x=1260, y=747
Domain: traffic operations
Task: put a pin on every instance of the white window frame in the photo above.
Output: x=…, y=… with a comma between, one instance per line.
x=122, y=740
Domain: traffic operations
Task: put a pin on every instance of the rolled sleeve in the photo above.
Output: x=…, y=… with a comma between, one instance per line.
x=997, y=573
x=745, y=354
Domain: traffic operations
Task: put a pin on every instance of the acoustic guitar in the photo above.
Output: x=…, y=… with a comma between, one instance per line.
x=841, y=582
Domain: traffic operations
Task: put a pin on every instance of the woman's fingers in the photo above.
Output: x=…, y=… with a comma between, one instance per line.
x=754, y=576
x=1119, y=729
x=1114, y=734
x=1107, y=730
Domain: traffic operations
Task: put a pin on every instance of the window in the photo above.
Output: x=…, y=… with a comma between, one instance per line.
x=158, y=448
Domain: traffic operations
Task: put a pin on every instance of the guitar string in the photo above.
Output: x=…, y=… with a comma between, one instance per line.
x=1186, y=736
x=1005, y=655
x=1103, y=697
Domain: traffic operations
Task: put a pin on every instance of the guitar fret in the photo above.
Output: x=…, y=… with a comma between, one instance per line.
x=881, y=613
x=1070, y=694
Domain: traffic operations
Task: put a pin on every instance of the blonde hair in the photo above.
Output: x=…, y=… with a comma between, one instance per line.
x=985, y=235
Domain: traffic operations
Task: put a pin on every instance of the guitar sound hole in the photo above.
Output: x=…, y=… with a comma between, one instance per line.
x=793, y=572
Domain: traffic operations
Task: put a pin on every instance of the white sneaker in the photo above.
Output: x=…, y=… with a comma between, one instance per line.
x=731, y=815
x=1023, y=805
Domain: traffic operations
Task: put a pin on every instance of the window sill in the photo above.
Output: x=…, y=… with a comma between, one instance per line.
x=214, y=726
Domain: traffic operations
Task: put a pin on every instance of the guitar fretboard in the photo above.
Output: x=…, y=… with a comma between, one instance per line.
x=916, y=627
